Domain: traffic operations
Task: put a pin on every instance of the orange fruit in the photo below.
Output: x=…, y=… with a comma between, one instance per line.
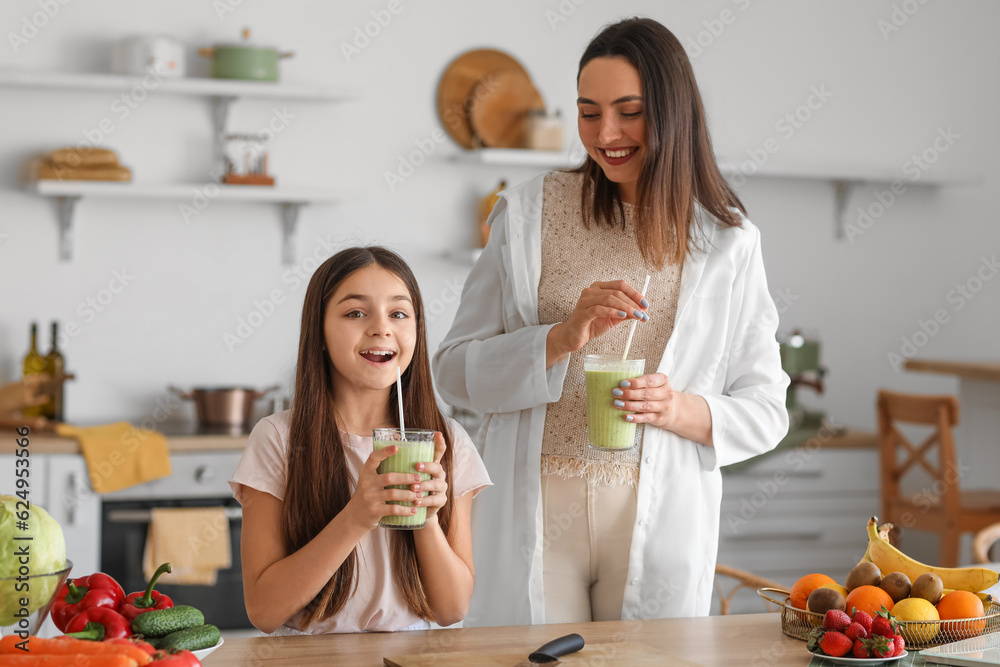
x=868, y=598
x=806, y=585
x=961, y=605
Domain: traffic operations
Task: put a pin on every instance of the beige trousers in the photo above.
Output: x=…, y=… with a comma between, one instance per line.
x=588, y=532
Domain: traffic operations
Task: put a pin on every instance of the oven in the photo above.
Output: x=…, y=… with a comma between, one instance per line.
x=199, y=479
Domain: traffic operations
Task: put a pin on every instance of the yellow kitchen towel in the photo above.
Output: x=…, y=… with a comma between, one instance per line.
x=120, y=455
x=194, y=540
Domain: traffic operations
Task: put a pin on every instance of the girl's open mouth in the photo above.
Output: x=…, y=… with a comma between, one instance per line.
x=378, y=356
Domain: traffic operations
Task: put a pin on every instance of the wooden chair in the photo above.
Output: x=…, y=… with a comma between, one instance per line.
x=744, y=579
x=982, y=542
x=939, y=506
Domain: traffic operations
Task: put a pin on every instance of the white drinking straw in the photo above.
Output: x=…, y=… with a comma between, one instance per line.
x=631, y=332
x=399, y=398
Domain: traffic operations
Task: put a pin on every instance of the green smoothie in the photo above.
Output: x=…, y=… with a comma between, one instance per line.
x=606, y=425
x=411, y=452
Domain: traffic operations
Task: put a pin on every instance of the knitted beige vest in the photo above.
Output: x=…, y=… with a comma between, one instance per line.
x=573, y=257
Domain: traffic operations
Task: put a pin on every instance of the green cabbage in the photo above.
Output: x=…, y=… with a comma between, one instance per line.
x=46, y=553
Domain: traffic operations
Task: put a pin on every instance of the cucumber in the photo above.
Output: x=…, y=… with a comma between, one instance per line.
x=162, y=622
x=192, y=639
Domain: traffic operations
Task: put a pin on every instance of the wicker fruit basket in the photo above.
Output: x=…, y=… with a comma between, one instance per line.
x=798, y=623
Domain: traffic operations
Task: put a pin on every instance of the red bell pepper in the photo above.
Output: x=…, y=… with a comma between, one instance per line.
x=83, y=593
x=148, y=600
x=98, y=624
x=174, y=658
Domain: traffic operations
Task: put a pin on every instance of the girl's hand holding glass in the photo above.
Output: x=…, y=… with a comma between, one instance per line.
x=437, y=485
x=370, y=500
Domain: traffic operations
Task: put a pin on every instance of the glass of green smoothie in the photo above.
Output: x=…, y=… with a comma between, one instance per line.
x=606, y=425
x=415, y=446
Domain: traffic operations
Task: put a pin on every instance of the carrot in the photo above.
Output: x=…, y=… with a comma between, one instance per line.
x=67, y=646
x=70, y=660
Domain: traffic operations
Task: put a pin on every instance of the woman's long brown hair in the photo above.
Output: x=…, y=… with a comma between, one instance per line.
x=318, y=484
x=679, y=168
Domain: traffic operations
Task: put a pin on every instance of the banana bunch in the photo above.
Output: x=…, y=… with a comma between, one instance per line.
x=890, y=559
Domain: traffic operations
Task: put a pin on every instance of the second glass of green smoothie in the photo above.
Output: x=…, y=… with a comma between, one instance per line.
x=415, y=446
x=606, y=425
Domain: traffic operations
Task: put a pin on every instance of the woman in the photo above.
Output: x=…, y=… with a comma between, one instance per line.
x=569, y=533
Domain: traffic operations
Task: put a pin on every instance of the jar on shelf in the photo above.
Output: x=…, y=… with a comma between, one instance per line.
x=246, y=160
x=544, y=131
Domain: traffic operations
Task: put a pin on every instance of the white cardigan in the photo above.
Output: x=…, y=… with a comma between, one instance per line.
x=492, y=361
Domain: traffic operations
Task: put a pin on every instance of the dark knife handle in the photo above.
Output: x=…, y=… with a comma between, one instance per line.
x=557, y=647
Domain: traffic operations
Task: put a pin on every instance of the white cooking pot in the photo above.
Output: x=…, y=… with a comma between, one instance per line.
x=136, y=55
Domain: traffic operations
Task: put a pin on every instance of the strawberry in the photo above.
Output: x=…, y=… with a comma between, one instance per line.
x=836, y=620
x=884, y=624
x=881, y=646
x=856, y=631
x=865, y=619
x=900, y=645
x=860, y=650
x=835, y=643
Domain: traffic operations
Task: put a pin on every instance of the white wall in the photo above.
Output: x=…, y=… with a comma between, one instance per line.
x=890, y=95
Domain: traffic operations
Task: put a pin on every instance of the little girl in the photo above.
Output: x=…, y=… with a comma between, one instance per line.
x=313, y=557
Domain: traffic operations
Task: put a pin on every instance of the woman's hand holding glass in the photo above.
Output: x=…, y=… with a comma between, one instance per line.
x=650, y=397
x=656, y=403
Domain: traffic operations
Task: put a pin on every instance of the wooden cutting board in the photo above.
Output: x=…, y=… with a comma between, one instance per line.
x=593, y=655
x=457, y=87
x=499, y=108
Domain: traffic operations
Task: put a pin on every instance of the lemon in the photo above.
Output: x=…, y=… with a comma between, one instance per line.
x=920, y=610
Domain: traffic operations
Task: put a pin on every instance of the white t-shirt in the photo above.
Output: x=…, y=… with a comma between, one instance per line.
x=376, y=606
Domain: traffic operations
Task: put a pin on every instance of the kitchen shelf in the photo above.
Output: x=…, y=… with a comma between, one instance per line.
x=221, y=93
x=844, y=179
x=67, y=195
x=193, y=86
x=521, y=157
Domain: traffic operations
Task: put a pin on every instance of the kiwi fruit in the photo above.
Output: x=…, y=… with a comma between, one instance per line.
x=897, y=585
x=927, y=586
x=823, y=600
x=863, y=574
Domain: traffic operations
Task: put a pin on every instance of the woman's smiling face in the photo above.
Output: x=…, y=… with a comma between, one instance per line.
x=610, y=120
x=370, y=328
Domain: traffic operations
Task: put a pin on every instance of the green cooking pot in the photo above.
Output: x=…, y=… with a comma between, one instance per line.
x=243, y=61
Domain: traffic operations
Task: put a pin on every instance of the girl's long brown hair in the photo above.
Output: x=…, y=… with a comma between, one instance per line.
x=679, y=168
x=319, y=485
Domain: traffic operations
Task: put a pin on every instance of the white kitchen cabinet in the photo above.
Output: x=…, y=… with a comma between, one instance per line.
x=59, y=484
x=794, y=512
x=77, y=508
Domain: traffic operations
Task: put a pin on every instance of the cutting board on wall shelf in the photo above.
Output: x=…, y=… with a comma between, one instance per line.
x=502, y=102
x=592, y=655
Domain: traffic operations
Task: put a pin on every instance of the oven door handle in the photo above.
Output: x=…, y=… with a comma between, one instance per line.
x=145, y=516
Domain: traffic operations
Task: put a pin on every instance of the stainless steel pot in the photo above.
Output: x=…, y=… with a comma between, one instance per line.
x=223, y=406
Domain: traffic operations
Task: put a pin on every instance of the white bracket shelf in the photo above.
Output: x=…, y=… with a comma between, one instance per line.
x=67, y=195
x=166, y=85
x=222, y=93
x=844, y=180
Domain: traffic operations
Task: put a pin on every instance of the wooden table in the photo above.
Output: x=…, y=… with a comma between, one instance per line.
x=976, y=436
x=749, y=640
